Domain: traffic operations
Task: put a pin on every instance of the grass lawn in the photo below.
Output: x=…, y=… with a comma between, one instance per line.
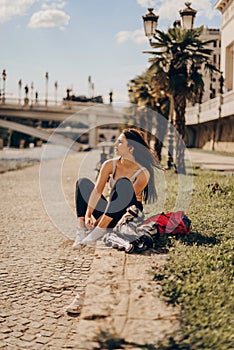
x=199, y=271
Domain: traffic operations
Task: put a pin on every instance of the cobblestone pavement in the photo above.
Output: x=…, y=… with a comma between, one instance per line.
x=39, y=272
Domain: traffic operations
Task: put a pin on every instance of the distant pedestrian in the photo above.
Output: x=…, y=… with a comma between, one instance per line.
x=111, y=97
x=36, y=97
x=26, y=91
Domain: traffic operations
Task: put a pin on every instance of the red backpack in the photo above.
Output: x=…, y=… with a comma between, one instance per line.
x=170, y=223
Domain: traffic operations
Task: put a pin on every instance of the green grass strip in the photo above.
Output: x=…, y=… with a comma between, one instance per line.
x=199, y=272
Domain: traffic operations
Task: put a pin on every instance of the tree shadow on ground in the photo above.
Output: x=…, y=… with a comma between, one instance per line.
x=163, y=243
x=198, y=239
x=107, y=341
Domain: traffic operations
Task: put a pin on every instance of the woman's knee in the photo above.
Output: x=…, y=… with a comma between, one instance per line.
x=83, y=182
x=123, y=183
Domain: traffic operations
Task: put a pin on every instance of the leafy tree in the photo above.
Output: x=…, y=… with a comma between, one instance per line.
x=151, y=105
x=175, y=66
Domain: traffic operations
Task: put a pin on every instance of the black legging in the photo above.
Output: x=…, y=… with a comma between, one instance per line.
x=122, y=196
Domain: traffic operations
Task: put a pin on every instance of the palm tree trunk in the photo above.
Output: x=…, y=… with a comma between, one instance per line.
x=180, y=106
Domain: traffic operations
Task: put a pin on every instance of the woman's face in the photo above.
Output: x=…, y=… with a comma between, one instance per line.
x=121, y=146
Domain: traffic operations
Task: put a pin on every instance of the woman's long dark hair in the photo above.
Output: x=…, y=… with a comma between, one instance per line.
x=145, y=156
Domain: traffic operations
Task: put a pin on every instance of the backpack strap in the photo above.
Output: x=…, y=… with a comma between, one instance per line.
x=114, y=166
x=134, y=176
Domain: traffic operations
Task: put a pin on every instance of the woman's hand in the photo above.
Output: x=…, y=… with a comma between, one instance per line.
x=89, y=222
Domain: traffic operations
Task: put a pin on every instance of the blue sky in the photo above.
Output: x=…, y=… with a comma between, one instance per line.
x=74, y=39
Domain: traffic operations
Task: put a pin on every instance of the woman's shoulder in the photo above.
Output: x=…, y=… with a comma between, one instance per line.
x=109, y=163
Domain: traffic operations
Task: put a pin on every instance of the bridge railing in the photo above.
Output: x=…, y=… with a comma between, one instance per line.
x=41, y=103
x=29, y=102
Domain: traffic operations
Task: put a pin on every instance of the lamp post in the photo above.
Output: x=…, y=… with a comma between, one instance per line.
x=20, y=89
x=32, y=89
x=46, y=87
x=133, y=100
x=4, y=76
x=55, y=91
x=150, y=26
x=218, y=122
x=93, y=90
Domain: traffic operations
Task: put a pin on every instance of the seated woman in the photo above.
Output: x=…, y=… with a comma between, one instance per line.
x=131, y=179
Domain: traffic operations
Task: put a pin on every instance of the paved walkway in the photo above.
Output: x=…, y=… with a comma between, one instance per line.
x=40, y=274
x=212, y=161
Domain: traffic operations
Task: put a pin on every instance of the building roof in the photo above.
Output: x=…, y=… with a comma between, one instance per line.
x=222, y=4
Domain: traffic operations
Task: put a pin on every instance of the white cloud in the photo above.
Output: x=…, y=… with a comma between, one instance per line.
x=11, y=8
x=54, y=5
x=136, y=36
x=49, y=18
x=146, y=3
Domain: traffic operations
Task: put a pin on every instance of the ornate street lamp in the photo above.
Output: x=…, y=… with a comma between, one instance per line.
x=150, y=26
x=151, y=20
x=4, y=76
x=46, y=88
x=150, y=23
x=187, y=16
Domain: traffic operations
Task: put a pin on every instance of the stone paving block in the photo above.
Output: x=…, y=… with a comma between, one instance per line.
x=99, y=302
x=137, y=272
x=56, y=344
x=16, y=334
x=118, y=323
x=5, y=330
x=24, y=345
x=12, y=347
x=28, y=337
x=143, y=332
x=143, y=304
x=36, y=325
x=86, y=331
x=121, y=309
x=42, y=340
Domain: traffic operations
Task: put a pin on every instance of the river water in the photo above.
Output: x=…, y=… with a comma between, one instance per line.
x=14, y=158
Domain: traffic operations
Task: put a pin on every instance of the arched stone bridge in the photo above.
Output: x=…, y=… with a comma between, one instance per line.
x=89, y=115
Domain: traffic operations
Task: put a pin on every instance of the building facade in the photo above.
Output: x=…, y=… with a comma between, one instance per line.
x=211, y=83
x=210, y=125
x=226, y=7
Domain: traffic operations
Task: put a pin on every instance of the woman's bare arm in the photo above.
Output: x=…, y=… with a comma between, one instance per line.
x=103, y=176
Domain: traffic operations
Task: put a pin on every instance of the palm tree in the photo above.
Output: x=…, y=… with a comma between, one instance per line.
x=175, y=66
x=152, y=105
x=143, y=98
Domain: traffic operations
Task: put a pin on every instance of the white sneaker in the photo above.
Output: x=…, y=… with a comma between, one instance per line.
x=93, y=236
x=80, y=235
x=76, y=305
